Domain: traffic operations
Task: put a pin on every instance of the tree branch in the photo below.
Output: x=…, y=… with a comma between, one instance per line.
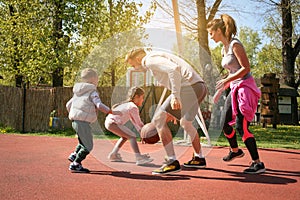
x=214, y=10
x=164, y=9
x=297, y=48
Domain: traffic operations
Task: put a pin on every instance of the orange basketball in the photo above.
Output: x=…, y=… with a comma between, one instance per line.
x=149, y=134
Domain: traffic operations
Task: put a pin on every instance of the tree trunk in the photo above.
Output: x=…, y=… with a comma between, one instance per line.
x=202, y=32
x=111, y=30
x=204, y=51
x=288, y=60
x=288, y=54
x=15, y=59
x=57, y=76
x=201, y=24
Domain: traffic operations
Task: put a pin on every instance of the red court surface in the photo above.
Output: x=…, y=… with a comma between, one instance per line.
x=36, y=167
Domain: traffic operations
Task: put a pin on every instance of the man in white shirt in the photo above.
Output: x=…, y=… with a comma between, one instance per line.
x=187, y=91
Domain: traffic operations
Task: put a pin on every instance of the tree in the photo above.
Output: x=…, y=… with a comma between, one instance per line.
x=289, y=53
x=58, y=34
x=29, y=46
x=269, y=57
x=288, y=32
x=16, y=58
x=49, y=39
x=268, y=61
x=123, y=13
x=194, y=21
x=20, y=49
x=251, y=41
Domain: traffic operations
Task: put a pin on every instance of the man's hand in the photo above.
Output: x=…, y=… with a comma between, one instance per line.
x=175, y=103
x=217, y=95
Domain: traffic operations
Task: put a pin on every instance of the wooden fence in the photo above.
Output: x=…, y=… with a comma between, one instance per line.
x=28, y=110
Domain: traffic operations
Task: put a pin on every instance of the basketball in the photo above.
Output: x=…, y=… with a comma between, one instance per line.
x=149, y=134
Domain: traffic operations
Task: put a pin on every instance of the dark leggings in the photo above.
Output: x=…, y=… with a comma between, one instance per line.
x=81, y=152
x=242, y=126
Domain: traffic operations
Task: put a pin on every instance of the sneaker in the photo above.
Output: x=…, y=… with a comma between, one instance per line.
x=143, y=159
x=232, y=155
x=78, y=168
x=255, y=168
x=72, y=157
x=170, y=166
x=115, y=157
x=196, y=162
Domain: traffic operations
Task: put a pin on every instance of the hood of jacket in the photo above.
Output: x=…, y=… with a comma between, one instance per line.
x=80, y=89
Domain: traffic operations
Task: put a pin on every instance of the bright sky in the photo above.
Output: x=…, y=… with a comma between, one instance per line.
x=245, y=12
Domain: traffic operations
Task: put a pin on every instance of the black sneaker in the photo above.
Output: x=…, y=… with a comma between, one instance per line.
x=171, y=166
x=232, y=155
x=255, y=168
x=72, y=157
x=78, y=168
x=196, y=162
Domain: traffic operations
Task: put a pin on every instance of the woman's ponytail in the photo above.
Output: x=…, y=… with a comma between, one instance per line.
x=230, y=26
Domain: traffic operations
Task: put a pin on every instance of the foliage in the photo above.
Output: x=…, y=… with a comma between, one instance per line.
x=217, y=56
x=20, y=49
x=252, y=41
x=4, y=130
x=275, y=31
x=268, y=60
x=38, y=36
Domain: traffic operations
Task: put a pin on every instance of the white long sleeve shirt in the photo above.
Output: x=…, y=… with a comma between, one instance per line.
x=129, y=112
x=171, y=71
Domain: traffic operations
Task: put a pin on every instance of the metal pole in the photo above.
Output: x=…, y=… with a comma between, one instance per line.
x=200, y=121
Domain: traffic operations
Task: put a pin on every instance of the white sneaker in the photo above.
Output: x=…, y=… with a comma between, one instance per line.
x=143, y=159
x=115, y=157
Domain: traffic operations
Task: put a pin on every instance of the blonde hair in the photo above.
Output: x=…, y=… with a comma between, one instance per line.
x=134, y=53
x=89, y=75
x=226, y=24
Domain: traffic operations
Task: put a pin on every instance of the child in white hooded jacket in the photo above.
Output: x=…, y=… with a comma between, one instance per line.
x=82, y=108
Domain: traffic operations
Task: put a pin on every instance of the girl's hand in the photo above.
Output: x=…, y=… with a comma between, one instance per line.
x=116, y=112
x=222, y=84
x=171, y=118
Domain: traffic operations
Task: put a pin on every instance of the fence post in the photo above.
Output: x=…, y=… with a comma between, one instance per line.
x=24, y=107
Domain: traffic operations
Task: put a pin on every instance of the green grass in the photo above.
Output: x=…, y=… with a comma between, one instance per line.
x=283, y=136
x=287, y=137
x=56, y=133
